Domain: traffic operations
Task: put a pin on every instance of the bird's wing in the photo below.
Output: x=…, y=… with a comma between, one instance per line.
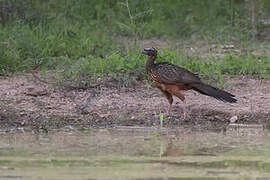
x=172, y=74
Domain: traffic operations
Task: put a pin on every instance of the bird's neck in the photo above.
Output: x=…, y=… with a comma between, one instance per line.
x=150, y=62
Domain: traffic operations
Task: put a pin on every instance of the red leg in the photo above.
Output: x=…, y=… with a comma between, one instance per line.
x=182, y=98
x=169, y=110
x=170, y=100
x=184, y=109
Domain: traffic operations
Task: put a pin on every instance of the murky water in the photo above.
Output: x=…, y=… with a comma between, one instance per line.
x=135, y=153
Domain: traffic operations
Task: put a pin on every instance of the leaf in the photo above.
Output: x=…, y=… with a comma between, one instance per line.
x=161, y=119
x=141, y=14
x=124, y=26
x=122, y=4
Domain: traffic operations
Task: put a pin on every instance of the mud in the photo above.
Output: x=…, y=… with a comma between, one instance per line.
x=27, y=102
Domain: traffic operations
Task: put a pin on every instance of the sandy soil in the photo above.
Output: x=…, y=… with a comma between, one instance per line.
x=26, y=102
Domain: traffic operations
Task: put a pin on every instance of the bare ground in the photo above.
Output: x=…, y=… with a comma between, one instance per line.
x=26, y=102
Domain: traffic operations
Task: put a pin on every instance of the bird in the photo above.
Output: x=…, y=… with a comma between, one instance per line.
x=171, y=80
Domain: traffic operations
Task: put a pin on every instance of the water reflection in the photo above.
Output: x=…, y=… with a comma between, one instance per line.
x=123, y=152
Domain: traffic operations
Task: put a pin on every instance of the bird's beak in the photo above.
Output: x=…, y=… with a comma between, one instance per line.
x=144, y=52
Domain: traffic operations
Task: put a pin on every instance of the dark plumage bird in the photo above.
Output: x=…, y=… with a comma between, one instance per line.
x=171, y=79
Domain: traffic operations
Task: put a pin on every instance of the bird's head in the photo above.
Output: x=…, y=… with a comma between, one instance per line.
x=150, y=52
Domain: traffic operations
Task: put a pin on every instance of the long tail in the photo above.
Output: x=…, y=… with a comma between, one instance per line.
x=214, y=92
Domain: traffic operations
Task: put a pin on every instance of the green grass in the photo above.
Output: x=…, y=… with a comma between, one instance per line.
x=215, y=67
x=89, y=53
x=22, y=47
x=211, y=69
x=84, y=37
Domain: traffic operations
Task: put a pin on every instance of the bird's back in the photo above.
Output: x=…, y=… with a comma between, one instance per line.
x=172, y=74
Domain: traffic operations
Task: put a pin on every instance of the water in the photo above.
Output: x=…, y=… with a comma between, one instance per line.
x=135, y=153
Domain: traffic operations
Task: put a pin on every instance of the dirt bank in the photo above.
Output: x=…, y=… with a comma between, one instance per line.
x=26, y=102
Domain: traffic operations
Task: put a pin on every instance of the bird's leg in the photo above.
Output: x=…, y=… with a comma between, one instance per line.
x=170, y=100
x=169, y=110
x=182, y=98
x=184, y=109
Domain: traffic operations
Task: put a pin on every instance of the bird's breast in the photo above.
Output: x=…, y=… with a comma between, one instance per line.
x=153, y=76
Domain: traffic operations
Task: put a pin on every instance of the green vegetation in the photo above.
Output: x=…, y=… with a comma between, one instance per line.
x=87, y=37
x=231, y=63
